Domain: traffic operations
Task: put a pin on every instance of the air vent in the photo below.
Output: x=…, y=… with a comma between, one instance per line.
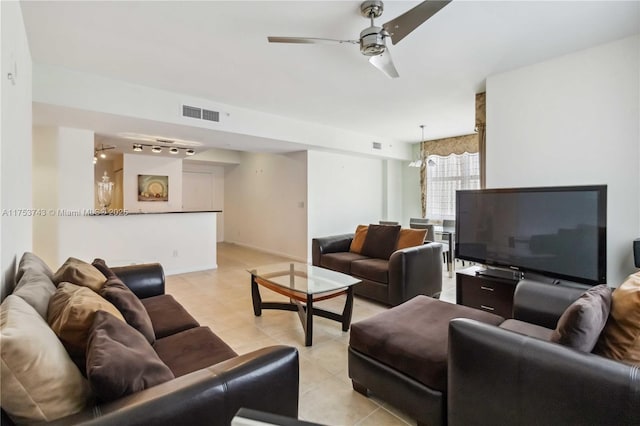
x=210, y=115
x=192, y=112
x=377, y=145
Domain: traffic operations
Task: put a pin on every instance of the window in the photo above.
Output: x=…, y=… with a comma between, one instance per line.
x=445, y=175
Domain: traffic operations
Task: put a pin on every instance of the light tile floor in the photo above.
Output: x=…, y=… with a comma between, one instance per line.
x=221, y=299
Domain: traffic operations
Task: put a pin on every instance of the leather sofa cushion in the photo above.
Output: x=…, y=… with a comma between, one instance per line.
x=191, y=350
x=81, y=273
x=131, y=308
x=381, y=241
x=72, y=309
x=528, y=329
x=341, y=261
x=413, y=337
x=582, y=322
x=39, y=381
x=358, y=239
x=120, y=360
x=620, y=339
x=371, y=269
x=167, y=316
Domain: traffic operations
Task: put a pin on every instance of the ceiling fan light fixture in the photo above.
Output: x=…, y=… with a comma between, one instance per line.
x=372, y=41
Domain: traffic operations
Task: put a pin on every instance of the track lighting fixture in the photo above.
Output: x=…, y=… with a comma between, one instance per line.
x=139, y=147
x=100, y=152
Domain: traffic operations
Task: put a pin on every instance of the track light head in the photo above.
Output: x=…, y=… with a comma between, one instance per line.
x=174, y=150
x=156, y=149
x=137, y=147
x=190, y=152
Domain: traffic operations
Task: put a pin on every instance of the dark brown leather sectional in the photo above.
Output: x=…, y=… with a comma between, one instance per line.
x=405, y=274
x=211, y=381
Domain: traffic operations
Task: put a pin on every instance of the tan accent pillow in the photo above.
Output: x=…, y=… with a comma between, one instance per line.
x=78, y=272
x=71, y=312
x=410, y=238
x=620, y=339
x=39, y=383
x=358, y=239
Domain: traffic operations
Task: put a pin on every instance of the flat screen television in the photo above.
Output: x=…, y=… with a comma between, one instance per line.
x=559, y=232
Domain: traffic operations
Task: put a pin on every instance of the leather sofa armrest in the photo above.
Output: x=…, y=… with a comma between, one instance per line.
x=265, y=380
x=144, y=280
x=333, y=244
x=496, y=376
x=413, y=271
x=543, y=304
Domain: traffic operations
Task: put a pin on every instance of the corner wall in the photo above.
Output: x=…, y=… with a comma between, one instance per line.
x=574, y=120
x=134, y=165
x=265, y=203
x=15, y=148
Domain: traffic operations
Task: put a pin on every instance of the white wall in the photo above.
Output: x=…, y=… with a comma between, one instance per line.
x=574, y=120
x=343, y=191
x=15, y=148
x=265, y=203
x=393, y=190
x=134, y=165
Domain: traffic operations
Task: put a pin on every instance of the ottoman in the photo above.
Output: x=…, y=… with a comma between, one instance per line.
x=401, y=355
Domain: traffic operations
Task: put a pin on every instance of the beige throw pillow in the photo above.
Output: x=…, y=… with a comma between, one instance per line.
x=39, y=380
x=71, y=312
x=78, y=272
x=620, y=339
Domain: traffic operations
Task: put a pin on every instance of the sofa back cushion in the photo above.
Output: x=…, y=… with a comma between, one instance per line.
x=410, y=238
x=120, y=360
x=131, y=308
x=381, y=241
x=71, y=312
x=358, y=239
x=39, y=381
x=582, y=322
x=620, y=339
x=78, y=272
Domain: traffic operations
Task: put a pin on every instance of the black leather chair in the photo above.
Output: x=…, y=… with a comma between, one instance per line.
x=500, y=377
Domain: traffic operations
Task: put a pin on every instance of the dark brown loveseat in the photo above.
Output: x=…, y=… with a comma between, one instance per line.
x=211, y=381
x=389, y=274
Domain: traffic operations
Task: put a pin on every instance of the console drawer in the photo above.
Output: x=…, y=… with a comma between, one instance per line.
x=495, y=296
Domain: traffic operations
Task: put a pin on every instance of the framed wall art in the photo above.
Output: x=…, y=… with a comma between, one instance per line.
x=153, y=188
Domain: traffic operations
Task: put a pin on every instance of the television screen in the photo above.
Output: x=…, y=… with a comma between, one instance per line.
x=557, y=231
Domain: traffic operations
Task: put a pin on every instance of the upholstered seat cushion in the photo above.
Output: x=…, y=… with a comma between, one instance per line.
x=167, y=316
x=191, y=350
x=340, y=262
x=528, y=329
x=413, y=337
x=371, y=269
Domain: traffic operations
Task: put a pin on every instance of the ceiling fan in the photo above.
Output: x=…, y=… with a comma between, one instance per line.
x=372, y=39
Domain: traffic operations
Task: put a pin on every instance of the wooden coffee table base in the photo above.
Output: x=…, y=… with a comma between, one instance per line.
x=303, y=304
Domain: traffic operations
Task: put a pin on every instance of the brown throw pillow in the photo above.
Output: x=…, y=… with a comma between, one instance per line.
x=620, y=339
x=71, y=312
x=131, y=308
x=78, y=272
x=101, y=266
x=381, y=241
x=120, y=361
x=581, y=323
x=358, y=239
x=410, y=238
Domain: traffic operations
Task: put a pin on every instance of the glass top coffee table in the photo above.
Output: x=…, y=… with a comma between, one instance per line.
x=303, y=284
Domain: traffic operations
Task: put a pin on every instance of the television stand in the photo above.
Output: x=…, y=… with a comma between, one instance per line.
x=506, y=274
x=489, y=293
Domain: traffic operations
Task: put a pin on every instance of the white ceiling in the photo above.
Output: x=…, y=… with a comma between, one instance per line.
x=218, y=50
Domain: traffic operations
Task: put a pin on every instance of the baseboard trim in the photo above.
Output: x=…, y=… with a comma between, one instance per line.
x=288, y=256
x=176, y=271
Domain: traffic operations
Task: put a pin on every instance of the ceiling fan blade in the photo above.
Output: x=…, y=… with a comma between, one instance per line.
x=384, y=63
x=309, y=40
x=401, y=26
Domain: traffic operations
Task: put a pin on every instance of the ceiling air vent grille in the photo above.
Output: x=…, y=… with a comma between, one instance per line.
x=193, y=112
x=210, y=115
x=377, y=145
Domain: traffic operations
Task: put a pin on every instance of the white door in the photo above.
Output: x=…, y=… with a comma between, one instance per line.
x=197, y=191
